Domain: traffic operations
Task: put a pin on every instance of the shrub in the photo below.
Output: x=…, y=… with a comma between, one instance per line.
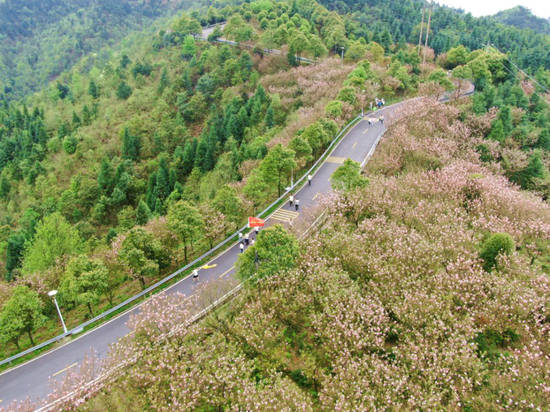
x=496, y=244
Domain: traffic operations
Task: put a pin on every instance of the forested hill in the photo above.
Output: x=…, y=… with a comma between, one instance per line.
x=449, y=28
x=523, y=18
x=39, y=39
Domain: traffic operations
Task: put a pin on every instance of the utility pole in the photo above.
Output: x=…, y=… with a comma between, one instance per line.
x=427, y=33
x=421, y=27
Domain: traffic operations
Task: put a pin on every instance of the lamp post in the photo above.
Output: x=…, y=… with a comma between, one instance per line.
x=343, y=48
x=363, y=104
x=52, y=294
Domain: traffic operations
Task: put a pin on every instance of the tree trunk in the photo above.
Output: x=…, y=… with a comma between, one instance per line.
x=30, y=337
x=185, y=252
x=142, y=281
x=90, y=309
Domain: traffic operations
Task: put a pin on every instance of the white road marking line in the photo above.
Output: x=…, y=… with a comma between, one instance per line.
x=354, y=145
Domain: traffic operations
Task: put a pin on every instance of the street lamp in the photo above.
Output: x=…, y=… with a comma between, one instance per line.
x=343, y=48
x=52, y=294
x=363, y=104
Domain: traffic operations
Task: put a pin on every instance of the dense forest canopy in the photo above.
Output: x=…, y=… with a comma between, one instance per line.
x=39, y=39
x=523, y=18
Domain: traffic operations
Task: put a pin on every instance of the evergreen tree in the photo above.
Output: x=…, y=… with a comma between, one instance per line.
x=86, y=116
x=76, y=121
x=93, y=90
x=143, y=213
x=164, y=81
x=105, y=178
x=150, y=196
x=200, y=155
x=497, y=131
x=269, y=117
x=14, y=254
x=189, y=158
x=131, y=145
x=527, y=177
x=123, y=91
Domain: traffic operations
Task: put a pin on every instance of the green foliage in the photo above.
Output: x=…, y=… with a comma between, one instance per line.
x=348, y=177
x=143, y=213
x=131, y=145
x=14, y=253
x=21, y=314
x=143, y=255
x=123, y=91
x=457, y=56
x=534, y=170
x=84, y=282
x=69, y=144
x=277, y=165
x=334, y=109
x=228, y=203
x=54, y=238
x=274, y=252
x=497, y=244
x=491, y=343
x=186, y=222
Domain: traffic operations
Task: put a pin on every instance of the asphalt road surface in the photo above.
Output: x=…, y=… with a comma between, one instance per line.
x=31, y=380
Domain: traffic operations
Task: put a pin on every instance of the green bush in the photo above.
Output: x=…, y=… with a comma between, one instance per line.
x=496, y=244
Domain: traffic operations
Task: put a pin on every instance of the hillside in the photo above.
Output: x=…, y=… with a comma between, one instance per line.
x=41, y=39
x=523, y=18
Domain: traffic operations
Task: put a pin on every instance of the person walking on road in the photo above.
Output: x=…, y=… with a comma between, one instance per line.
x=257, y=230
x=382, y=119
x=242, y=247
x=309, y=177
x=252, y=242
x=240, y=237
x=195, y=275
x=297, y=204
x=291, y=200
x=247, y=239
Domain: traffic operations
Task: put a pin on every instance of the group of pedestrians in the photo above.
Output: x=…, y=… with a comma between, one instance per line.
x=294, y=202
x=246, y=240
x=371, y=120
x=379, y=102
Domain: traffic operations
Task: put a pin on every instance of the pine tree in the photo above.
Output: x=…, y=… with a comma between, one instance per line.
x=269, y=117
x=497, y=131
x=123, y=91
x=105, y=179
x=164, y=81
x=143, y=213
x=93, y=90
x=189, y=157
x=200, y=156
x=131, y=145
x=86, y=116
x=150, y=195
x=76, y=121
